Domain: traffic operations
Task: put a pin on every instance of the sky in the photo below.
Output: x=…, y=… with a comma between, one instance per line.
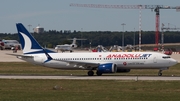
x=59, y=15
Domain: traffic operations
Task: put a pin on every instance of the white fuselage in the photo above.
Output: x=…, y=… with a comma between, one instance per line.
x=123, y=60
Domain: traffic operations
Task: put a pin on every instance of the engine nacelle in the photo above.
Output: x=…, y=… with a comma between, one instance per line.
x=123, y=70
x=107, y=68
x=73, y=45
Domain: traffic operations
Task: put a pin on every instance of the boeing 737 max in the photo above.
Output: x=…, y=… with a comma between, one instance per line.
x=102, y=62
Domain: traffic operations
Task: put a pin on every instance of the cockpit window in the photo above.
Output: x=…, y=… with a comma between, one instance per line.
x=166, y=57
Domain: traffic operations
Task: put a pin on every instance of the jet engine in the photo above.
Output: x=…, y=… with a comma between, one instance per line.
x=107, y=68
x=73, y=45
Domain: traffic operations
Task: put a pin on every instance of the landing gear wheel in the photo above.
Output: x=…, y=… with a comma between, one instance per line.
x=98, y=73
x=159, y=74
x=90, y=73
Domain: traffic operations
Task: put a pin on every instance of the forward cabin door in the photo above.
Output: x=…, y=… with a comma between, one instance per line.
x=155, y=59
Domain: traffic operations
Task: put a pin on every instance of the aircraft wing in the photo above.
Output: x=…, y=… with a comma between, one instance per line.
x=83, y=65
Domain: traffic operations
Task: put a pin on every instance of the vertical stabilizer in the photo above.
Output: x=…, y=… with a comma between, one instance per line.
x=74, y=41
x=28, y=42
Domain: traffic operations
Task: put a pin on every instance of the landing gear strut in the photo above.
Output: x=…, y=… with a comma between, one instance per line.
x=90, y=73
x=159, y=73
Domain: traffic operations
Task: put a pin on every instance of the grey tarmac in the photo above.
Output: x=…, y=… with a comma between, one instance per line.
x=135, y=78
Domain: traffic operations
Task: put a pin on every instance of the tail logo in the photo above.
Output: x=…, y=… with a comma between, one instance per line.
x=28, y=42
x=27, y=46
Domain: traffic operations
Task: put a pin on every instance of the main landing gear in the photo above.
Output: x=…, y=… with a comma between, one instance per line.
x=98, y=73
x=91, y=73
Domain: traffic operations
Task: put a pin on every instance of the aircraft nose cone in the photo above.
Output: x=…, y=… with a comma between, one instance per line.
x=174, y=62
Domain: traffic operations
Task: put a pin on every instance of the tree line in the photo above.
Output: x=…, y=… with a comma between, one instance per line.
x=52, y=38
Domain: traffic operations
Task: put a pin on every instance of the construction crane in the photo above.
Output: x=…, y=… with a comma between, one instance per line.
x=156, y=9
x=162, y=34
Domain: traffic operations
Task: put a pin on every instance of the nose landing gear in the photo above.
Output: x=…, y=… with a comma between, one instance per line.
x=160, y=73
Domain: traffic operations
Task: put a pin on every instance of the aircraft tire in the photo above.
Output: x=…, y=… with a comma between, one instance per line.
x=159, y=74
x=90, y=73
x=98, y=73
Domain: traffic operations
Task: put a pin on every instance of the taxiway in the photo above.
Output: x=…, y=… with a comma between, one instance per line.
x=136, y=78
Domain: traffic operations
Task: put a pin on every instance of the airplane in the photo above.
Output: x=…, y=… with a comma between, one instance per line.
x=68, y=47
x=11, y=43
x=101, y=62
